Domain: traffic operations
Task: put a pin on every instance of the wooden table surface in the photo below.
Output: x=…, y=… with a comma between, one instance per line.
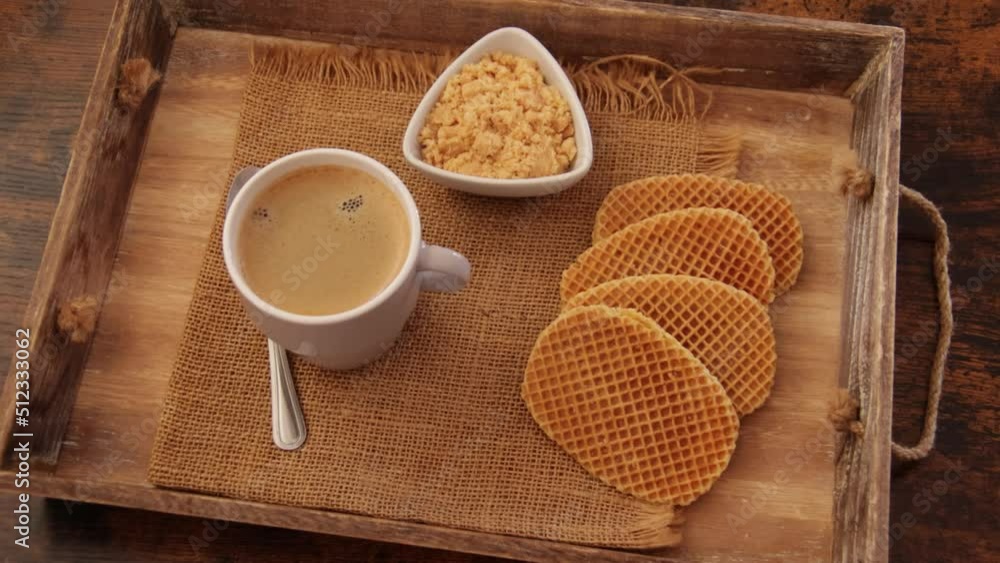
x=943, y=508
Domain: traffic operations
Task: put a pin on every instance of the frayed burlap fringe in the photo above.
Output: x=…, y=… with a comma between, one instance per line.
x=639, y=86
x=383, y=69
x=719, y=153
x=635, y=85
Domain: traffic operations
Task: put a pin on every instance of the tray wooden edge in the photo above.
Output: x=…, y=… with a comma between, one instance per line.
x=861, y=490
x=799, y=42
x=187, y=503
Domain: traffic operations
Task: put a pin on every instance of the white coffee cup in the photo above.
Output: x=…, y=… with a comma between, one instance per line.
x=355, y=337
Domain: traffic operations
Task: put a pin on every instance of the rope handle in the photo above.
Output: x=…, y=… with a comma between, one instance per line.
x=844, y=412
x=942, y=245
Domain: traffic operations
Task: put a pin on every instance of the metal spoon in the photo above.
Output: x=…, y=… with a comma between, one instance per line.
x=288, y=426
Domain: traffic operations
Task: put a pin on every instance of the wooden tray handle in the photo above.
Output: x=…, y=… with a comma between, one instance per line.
x=942, y=246
x=844, y=415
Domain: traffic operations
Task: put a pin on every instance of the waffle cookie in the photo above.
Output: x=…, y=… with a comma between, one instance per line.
x=708, y=243
x=725, y=328
x=770, y=212
x=631, y=404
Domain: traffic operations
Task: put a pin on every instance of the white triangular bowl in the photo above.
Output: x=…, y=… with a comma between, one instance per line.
x=521, y=43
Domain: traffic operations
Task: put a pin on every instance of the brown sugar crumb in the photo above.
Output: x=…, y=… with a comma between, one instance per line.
x=498, y=119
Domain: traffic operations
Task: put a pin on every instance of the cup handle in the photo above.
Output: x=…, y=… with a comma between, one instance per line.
x=442, y=269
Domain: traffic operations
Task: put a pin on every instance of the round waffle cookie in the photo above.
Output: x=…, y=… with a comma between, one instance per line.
x=631, y=404
x=770, y=212
x=725, y=328
x=709, y=243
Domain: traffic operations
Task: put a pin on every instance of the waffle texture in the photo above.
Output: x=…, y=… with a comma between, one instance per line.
x=631, y=404
x=770, y=212
x=726, y=329
x=709, y=243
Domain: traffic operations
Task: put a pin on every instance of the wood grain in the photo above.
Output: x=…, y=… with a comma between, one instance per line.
x=86, y=228
x=217, y=509
x=748, y=49
x=941, y=90
x=863, y=467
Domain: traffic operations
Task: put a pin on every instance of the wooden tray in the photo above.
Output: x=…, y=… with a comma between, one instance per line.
x=141, y=191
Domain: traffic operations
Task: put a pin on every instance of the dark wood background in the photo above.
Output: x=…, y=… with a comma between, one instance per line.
x=951, y=98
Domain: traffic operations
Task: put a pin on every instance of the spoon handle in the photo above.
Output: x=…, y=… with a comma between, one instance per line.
x=287, y=423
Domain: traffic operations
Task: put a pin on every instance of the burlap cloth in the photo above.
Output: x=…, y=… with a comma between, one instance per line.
x=436, y=430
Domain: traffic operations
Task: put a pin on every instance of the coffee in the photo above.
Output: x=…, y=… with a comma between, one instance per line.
x=323, y=240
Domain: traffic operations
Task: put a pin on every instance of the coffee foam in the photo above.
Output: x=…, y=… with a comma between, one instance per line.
x=323, y=240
